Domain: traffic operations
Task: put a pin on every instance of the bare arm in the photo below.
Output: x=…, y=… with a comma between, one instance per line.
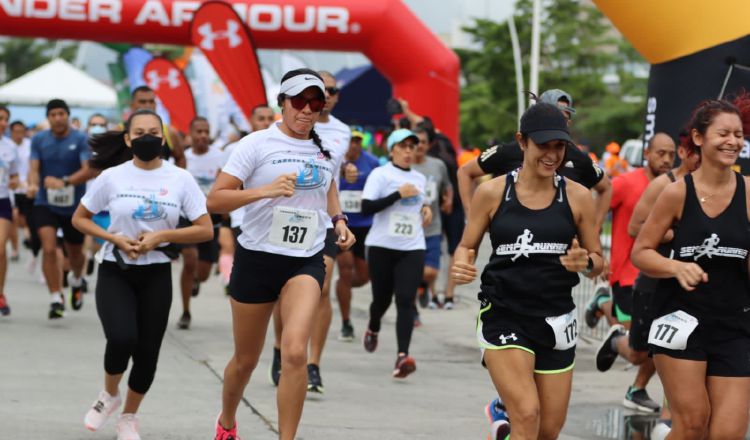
x=225, y=196
x=33, y=178
x=466, y=175
x=603, y=198
x=178, y=149
x=200, y=230
x=645, y=204
x=588, y=234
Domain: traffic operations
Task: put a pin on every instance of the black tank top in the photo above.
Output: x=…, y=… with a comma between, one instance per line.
x=720, y=246
x=644, y=283
x=524, y=272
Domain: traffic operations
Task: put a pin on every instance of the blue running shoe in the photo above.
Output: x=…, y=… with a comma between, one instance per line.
x=500, y=424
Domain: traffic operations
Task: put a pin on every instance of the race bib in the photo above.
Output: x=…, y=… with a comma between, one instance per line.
x=565, y=328
x=293, y=228
x=351, y=201
x=403, y=225
x=430, y=191
x=672, y=331
x=63, y=197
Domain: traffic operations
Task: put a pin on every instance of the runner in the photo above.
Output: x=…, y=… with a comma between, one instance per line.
x=353, y=271
x=145, y=197
x=9, y=164
x=59, y=171
x=288, y=197
x=700, y=336
x=144, y=97
x=439, y=196
x=394, y=193
x=627, y=189
x=22, y=206
x=525, y=291
x=98, y=124
x=204, y=164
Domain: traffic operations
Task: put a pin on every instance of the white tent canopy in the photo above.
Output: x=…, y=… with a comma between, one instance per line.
x=58, y=79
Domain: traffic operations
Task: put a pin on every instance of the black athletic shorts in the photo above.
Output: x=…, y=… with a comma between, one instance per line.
x=500, y=328
x=24, y=204
x=43, y=216
x=723, y=344
x=208, y=250
x=331, y=249
x=258, y=277
x=641, y=319
x=358, y=248
x=623, y=301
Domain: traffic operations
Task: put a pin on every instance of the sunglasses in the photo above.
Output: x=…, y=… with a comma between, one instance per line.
x=299, y=102
x=333, y=91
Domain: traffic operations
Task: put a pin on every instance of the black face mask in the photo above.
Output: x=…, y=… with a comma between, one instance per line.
x=147, y=147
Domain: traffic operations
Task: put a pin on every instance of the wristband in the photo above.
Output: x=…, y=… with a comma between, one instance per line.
x=589, y=266
x=338, y=217
x=66, y=180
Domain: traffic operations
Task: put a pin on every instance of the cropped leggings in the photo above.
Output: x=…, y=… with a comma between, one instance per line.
x=395, y=272
x=133, y=306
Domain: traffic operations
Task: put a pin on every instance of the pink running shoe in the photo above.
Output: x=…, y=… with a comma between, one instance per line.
x=100, y=410
x=223, y=433
x=127, y=427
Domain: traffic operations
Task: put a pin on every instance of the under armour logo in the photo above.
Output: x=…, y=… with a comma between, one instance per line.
x=172, y=78
x=210, y=36
x=504, y=339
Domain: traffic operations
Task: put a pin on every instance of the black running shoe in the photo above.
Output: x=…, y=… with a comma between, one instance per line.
x=639, y=400
x=84, y=285
x=593, y=312
x=196, y=289
x=184, y=322
x=423, y=293
x=347, y=332
x=314, y=382
x=56, y=310
x=90, y=266
x=274, y=373
x=605, y=355
x=76, y=297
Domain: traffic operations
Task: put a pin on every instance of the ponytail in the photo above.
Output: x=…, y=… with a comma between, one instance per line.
x=316, y=140
x=109, y=150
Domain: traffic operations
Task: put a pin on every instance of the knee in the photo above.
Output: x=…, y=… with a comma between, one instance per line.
x=405, y=301
x=294, y=355
x=244, y=364
x=526, y=415
x=693, y=421
x=550, y=429
x=124, y=345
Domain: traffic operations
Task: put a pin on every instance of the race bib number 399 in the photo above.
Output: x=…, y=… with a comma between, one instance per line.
x=565, y=328
x=402, y=224
x=63, y=197
x=293, y=228
x=672, y=331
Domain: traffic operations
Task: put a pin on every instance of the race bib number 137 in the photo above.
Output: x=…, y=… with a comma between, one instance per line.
x=293, y=228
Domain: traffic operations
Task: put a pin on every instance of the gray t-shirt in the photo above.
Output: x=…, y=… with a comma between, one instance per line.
x=437, y=183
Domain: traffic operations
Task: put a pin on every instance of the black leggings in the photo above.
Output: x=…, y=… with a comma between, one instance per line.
x=133, y=306
x=398, y=272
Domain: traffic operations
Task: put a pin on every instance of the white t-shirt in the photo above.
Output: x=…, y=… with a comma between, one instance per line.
x=336, y=137
x=9, y=164
x=205, y=167
x=235, y=217
x=24, y=152
x=294, y=226
x=141, y=200
x=398, y=226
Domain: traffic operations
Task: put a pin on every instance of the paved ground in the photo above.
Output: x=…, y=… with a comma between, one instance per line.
x=52, y=371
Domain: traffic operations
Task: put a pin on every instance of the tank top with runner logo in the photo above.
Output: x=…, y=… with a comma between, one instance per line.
x=719, y=246
x=524, y=272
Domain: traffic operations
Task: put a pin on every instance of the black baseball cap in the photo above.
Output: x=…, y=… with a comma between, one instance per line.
x=544, y=122
x=57, y=103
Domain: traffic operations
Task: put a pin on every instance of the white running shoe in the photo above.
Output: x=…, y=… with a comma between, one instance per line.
x=100, y=410
x=127, y=427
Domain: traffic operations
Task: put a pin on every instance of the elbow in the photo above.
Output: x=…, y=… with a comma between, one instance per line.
x=213, y=207
x=206, y=233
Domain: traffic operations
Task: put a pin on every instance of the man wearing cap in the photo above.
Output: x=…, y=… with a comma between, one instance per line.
x=57, y=177
x=503, y=158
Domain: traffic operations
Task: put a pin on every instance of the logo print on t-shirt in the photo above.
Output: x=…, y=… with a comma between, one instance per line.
x=709, y=248
x=309, y=176
x=523, y=247
x=149, y=210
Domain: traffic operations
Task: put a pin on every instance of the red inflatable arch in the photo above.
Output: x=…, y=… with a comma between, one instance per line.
x=420, y=67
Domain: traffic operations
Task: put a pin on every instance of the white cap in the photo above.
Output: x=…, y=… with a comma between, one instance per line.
x=296, y=84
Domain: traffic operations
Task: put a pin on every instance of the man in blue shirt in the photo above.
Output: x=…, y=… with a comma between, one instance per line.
x=59, y=171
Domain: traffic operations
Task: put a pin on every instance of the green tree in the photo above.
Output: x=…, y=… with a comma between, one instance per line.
x=578, y=48
x=22, y=55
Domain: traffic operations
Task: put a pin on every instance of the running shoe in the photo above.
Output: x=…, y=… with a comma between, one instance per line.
x=4, y=307
x=314, y=381
x=370, y=341
x=424, y=295
x=434, y=303
x=593, y=312
x=499, y=421
x=84, y=285
x=639, y=400
x=76, y=297
x=661, y=430
x=448, y=304
x=606, y=355
x=274, y=373
x=90, y=266
x=405, y=365
x=196, y=289
x=56, y=310
x=223, y=433
x=100, y=410
x=127, y=427
x=184, y=322
x=347, y=332
x=417, y=321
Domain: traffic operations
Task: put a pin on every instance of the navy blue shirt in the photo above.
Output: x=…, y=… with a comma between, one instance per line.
x=59, y=157
x=365, y=164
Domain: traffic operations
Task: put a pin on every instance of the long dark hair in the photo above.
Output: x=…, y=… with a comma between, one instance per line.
x=109, y=149
x=280, y=101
